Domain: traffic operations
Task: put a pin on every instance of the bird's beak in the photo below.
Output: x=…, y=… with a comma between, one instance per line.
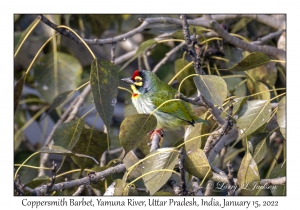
x=128, y=80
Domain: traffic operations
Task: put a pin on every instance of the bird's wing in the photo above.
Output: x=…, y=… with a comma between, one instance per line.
x=178, y=109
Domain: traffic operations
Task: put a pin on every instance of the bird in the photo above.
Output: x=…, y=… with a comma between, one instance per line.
x=149, y=92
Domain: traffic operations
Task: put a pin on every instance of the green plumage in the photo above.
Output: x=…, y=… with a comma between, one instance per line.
x=149, y=92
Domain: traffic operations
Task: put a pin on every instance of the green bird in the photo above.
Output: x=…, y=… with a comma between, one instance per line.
x=149, y=92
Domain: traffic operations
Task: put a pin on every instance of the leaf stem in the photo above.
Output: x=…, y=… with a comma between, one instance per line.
x=89, y=49
x=26, y=36
x=37, y=54
x=24, y=163
x=176, y=75
x=82, y=85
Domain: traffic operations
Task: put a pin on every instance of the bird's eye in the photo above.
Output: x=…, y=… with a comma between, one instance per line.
x=138, y=81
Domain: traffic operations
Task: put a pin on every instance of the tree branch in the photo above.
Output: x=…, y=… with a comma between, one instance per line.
x=67, y=116
x=228, y=138
x=208, y=190
x=191, y=42
x=62, y=31
x=268, y=37
x=265, y=19
x=218, y=134
x=92, y=178
x=212, y=24
x=183, y=191
x=168, y=55
x=269, y=50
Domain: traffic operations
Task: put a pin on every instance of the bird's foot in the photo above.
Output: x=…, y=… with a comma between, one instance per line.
x=159, y=132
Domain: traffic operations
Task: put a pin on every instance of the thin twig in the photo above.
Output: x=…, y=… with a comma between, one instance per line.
x=174, y=186
x=208, y=190
x=67, y=116
x=269, y=50
x=265, y=19
x=167, y=56
x=106, y=153
x=268, y=37
x=112, y=53
x=214, y=111
x=183, y=191
x=50, y=185
x=61, y=31
x=195, y=101
x=18, y=187
x=146, y=63
x=230, y=184
x=221, y=157
x=191, y=42
x=124, y=57
x=79, y=190
x=198, y=191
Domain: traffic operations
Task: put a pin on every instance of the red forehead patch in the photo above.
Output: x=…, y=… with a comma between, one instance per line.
x=136, y=73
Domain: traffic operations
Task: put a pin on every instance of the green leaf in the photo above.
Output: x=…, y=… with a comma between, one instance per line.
x=278, y=171
x=19, y=121
x=266, y=74
x=232, y=87
x=56, y=73
x=58, y=100
x=142, y=49
x=251, y=61
x=258, y=87
x=232, y=54
x=38, y=181
x=67, y=134
x=129, y=160
x=188, y=87
x=92, y=143
x=238, y=104
x=252, y=116
x=231, y=155
x=143, y=145
x=260, y=151
x=164, y=158
x=193, y=132
x=18, y=91
x=212, y=87
x=197, y=164
x=104, y=82
x=55, y=150
x=281, y=116
x=134, y=128
x=248, y=175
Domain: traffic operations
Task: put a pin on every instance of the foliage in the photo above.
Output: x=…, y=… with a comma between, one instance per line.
x=71, y=108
